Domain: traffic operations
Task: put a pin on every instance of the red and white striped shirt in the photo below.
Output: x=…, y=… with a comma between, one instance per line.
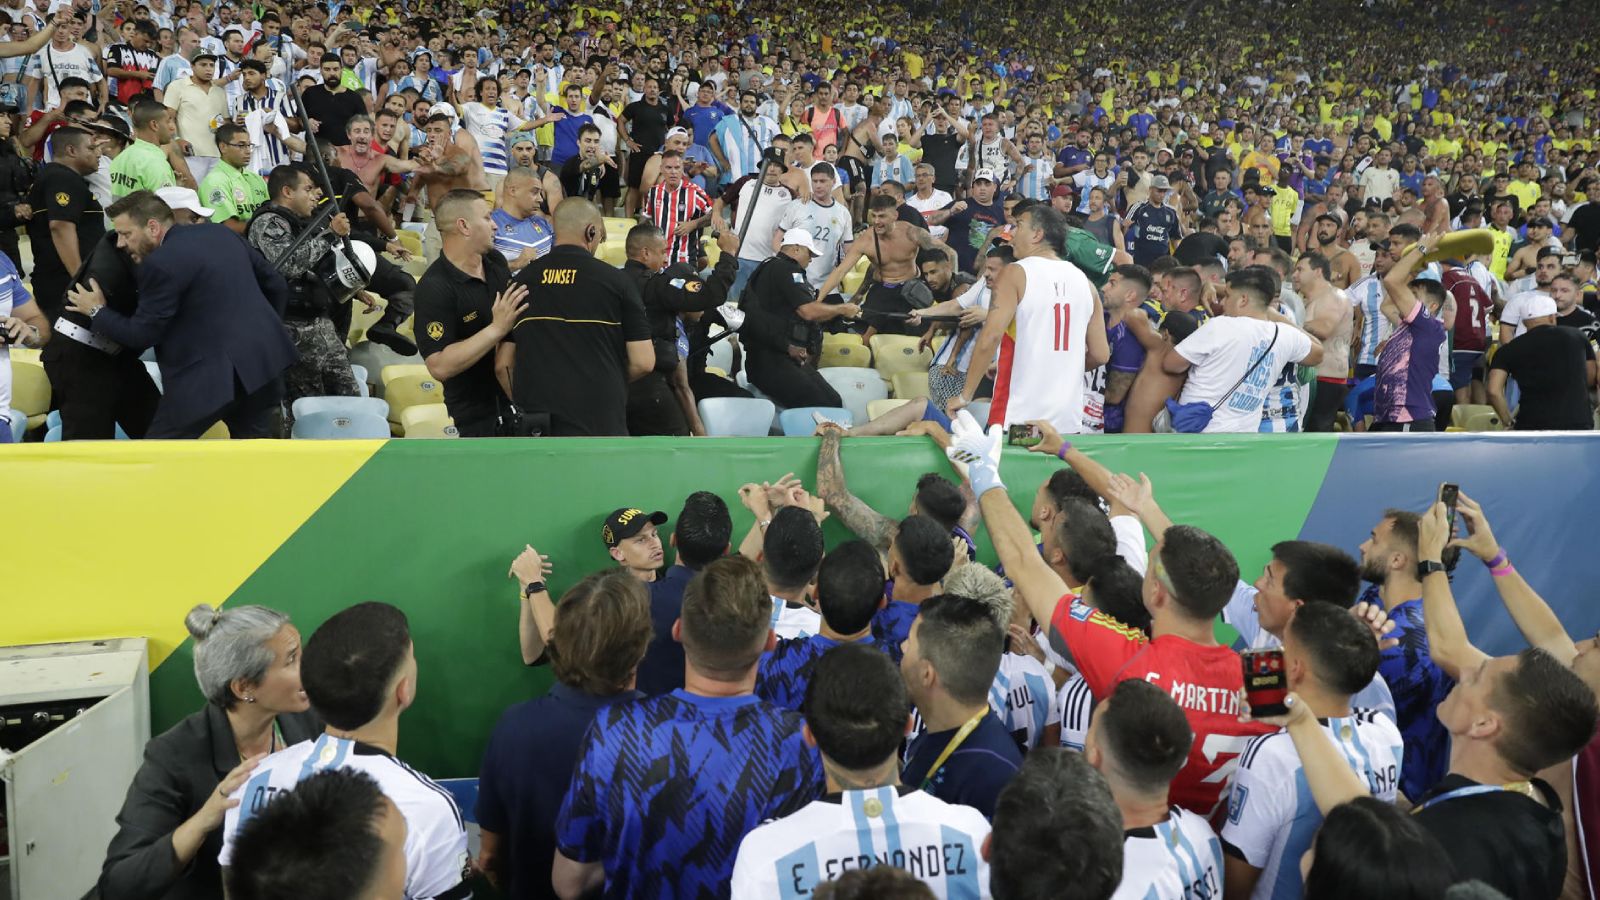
x=667, y=207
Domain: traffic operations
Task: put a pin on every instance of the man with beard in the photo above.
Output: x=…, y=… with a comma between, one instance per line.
x=1345, y=267
x=586, y=174
x=892, y=247
x=645, y=124
x=738, y=141
x=525, y=155
x=323, y=369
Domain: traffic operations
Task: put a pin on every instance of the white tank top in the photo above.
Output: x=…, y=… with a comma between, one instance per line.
x=1041, y=354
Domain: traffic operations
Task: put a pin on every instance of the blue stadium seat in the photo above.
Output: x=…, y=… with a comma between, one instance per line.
x=857, y=387
x=19, y=425
x=361, y=380
x=737, y=416
x=344, y=406
x=338, y=425
x=799, y=423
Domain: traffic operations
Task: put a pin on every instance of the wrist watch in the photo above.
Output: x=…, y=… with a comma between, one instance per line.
x=1428, y=567
x=96, y=311
x=535, y=587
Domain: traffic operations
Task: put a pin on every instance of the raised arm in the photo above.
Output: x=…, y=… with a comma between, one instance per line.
x=1452, y=651
x=1398, y=300
x=1533, y=616
x=537, y=618
x=863, y=521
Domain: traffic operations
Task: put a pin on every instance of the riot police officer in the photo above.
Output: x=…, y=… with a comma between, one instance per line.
x=783, y=326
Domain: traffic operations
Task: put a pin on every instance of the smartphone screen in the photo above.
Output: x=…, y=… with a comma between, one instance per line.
x=1023, y=436
x=1266, y=685
x=1447, y=495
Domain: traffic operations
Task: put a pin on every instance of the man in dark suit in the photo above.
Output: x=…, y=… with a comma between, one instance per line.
x=212, y=307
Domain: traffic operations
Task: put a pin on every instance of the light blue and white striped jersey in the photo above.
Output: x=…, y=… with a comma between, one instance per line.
x=1023, y=698
x=899, y=107
x=1285, y=403
x=1179, y=859
x=489, y=127
x=1272, y=818
x=1075, y=706
x=794, y=621
x=743, y=153
x=1087, y=179
x=171, y=69
x=436, y=838
x=1367, y=295
x=937, y=842
x=1033, y=180
x=1241, y=614
x=976, y=294
x=899, y=169
x=13, y=296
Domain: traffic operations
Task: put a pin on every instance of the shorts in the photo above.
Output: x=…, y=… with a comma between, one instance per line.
x=636, y=163
x=1466, y=366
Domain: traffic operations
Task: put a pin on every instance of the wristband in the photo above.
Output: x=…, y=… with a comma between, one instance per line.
x=1503, y=571
x=1498, y=560
x=1062, y=453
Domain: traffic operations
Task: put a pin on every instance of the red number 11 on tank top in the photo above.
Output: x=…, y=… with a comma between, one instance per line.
x=1063, y=334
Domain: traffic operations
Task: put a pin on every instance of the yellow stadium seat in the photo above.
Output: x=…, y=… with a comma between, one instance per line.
x=407, y=329
x=713, y=370
x=844, y=350
x=25, y=355
x=852, y=281
x=390, y=373
x=617, y=227
x=217, y=432
x=410, y=240
x=910, y=385
x=613, y=251
x=429, y=420
x=30, y=392
x=896, y=353
x=361, y=319
x=713, y=251
x=411, y=390
x=1482, y=420
x=1461, y=412
x=877, y=408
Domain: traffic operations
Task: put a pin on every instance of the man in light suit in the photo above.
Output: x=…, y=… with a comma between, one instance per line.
x=212, y=307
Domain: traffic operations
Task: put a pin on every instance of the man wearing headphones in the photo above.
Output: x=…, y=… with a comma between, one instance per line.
x=584, y=336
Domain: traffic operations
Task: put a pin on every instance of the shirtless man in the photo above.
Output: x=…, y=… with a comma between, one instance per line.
x=450, y=165
x=1344, y=264
x=892, y=247
x=1330, y=318
x=677, y=139
x=366, y=158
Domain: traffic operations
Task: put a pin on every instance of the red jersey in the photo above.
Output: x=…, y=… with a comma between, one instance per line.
x=1205, y=681
x=1472, y=309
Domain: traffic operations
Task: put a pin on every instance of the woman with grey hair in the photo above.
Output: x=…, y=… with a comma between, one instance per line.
x=247, y=661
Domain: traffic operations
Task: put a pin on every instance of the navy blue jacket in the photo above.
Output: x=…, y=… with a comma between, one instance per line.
x=212, y=307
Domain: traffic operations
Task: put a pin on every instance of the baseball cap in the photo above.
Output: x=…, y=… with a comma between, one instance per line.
x=203, y=55
x=1061, y=190
x=442, y=107
x=628, y=521
x=799, y=237
x=520, y=137
x=1160, y=183
x=677, y=131
x=184, y=198
x=1538, y=306
x=985, y=175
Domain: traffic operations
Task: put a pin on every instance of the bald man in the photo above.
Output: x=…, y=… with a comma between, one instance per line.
x=584, y=337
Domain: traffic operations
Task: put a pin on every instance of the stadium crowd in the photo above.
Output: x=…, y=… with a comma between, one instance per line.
x=1235, y=206
x=765, y=716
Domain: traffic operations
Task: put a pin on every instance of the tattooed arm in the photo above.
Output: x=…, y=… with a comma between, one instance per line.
x=862, y=520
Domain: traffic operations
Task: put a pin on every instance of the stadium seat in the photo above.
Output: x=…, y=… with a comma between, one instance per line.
x=361, y=319
x=344, y=406
x=1462, y=412
x=737, y=416
x=25, y=355
x=52, y=434
x=1481, y=420
x=375, y=357
x=799, y=423
x=154, y=369
x=845, y=350
x=411, y=390
x=338, y=425
x=217, y=432
x=430, y=420
x=390, y=373
x=613, y=251
x=617, y=227
x=857, y=388
x=853, y=278
x=712, y=250
x=19, y=426
x=30, y=392
x=52, y=423
x=360, y=372
x=410, y=240
x=721, y=353
x=910, y=385
x=878, y=408
x=896, y=353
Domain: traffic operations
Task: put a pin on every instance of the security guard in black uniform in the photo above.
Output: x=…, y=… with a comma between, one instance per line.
x=662, y=402
x=584, y=336
x=783, y=326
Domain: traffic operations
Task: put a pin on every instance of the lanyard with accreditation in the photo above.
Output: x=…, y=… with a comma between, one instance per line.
x=1524, y=788
x=955, y=742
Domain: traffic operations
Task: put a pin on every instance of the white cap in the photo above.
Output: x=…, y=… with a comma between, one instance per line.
x=442, y=107
x=676, y=131
x=799, y=237
x=985, y=175
x=183, y=198
x=1538, y=306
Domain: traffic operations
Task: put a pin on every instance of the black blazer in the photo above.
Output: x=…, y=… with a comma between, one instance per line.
x=212, y=307
x=181, y=769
